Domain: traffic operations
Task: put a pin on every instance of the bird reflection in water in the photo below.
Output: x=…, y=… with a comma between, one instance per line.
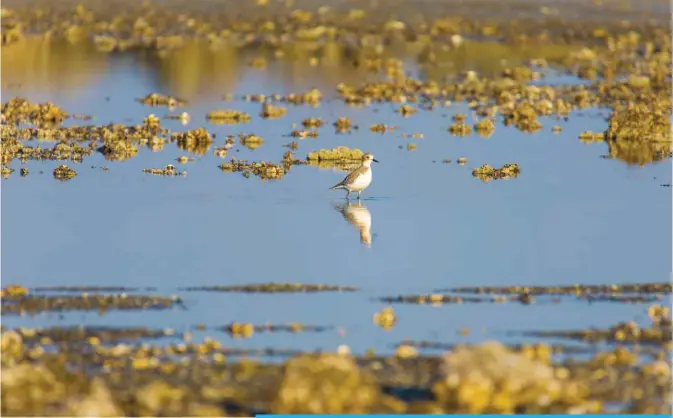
x=359, y=216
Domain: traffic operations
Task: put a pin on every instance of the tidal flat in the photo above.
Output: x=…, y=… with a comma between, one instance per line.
x=171, y=246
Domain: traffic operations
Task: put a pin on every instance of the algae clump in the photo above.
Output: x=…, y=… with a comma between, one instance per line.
x=229, y=117
x=494, y=379
x=329, y=384
x=63, y=173
x=639, y=135
x=487, y=173
x=338, y=153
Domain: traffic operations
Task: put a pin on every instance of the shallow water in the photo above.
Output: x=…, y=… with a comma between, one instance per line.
x=570, y=217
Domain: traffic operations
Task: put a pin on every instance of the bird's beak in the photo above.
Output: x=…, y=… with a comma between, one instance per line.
x=376, y=161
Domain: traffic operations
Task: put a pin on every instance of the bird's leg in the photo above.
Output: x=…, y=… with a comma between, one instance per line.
x=359, y=194
x=348, y=194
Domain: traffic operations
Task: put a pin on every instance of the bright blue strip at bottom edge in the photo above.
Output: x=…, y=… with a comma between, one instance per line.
x=457, y=415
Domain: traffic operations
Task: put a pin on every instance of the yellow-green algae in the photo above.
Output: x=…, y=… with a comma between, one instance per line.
x=227, y=117
x=262, y=169
x=17, y=302
x=63, y=173
x=487, y=173
x=338, y=153
x=203, y=379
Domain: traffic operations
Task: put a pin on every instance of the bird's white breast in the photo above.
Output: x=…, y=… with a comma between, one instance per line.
x=361, y=182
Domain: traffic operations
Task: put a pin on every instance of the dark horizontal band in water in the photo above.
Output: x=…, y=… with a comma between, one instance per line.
x=273, y=288
x=659, y=287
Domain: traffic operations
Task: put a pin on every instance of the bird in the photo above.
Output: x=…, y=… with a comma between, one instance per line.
x=359, y=179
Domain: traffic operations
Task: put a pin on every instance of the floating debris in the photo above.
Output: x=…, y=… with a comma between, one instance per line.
x=244, y=330
x=262, y=169
x=197, y=141
x=487, y=173
x=64, y=173
x=184, y=159
x=524, y=116
x=238, y=330
x=312, y=98
x=385, y=319
x=406, y=111
x=251, y=141
x=313, y=123
x=168, y=171
x=156, y=99
x=459, y=117
x=304, y=134
x=660, y=315
x=484, y=127
x=13, y=291
x=460, y=129
x=152, y=124
x=343, y=125
x=118, y=149
x=589, y=137
x=229, y=117
x=292, y=145
x=183, y=117
x=6, y=172
x=269, y=111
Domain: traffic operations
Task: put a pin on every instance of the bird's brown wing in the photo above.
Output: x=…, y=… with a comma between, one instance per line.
x=352, y=176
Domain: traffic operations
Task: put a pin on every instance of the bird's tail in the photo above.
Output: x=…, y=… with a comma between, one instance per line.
x=337, y=186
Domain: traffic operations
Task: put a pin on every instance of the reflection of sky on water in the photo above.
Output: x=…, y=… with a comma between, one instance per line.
x=570, y=217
